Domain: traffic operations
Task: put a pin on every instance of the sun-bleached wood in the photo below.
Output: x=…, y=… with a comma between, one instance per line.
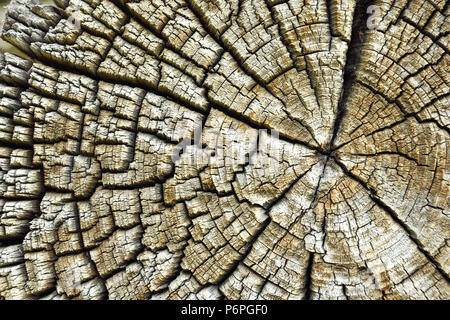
x=351, y=203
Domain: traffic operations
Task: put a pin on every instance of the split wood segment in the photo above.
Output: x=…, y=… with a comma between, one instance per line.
x=92, y=207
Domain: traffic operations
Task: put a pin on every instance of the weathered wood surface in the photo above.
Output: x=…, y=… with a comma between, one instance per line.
x=352, y=203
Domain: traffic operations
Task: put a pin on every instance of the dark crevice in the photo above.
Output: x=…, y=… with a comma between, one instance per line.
x=115, y=79
x=411, y=235
x=255, y=125
x=352, y=60
x=289, y=188
x=308, y=277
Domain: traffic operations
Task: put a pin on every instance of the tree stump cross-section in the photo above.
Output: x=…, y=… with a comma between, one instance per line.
x=237, y=149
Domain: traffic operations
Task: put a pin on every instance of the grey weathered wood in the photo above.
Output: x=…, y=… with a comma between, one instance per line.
x=350, y=203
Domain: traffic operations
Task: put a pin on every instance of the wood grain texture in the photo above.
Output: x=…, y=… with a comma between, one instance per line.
x=350, y=201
